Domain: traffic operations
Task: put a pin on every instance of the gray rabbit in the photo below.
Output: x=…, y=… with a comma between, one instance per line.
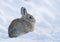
x=21, y=25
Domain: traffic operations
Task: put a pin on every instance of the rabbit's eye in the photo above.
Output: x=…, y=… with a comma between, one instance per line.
x=30, y=17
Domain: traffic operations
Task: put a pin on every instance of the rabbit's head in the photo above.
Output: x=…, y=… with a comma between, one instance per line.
x=26, y=16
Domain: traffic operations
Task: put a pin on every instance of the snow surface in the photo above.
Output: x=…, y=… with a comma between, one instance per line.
x=46, y=13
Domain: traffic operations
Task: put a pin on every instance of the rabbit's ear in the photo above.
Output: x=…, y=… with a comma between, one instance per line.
x=23, y=11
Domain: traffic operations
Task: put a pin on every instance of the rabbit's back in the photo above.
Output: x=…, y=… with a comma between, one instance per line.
x=19, y=27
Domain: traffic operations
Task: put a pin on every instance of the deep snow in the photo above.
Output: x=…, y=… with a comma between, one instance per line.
x=46, y=13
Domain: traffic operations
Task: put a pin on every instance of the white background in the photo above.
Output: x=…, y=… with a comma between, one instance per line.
x=46, y=13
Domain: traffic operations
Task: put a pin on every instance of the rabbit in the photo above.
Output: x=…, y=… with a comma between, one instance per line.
x=21, y=25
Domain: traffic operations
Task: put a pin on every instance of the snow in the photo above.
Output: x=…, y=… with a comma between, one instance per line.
x=46, y=13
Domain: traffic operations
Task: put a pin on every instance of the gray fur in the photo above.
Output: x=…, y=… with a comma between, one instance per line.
x=21, y=25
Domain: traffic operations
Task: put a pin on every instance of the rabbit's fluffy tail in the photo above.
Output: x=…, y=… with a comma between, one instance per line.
x=11, y=36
